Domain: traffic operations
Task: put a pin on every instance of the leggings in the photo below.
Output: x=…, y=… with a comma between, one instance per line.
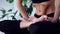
x=12, y=27
x=44, y=27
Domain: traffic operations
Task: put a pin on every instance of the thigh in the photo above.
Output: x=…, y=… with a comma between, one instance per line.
x=22, y=31
x=9, y=25
x=58, y=26
x=12, y=27
x=42, y=27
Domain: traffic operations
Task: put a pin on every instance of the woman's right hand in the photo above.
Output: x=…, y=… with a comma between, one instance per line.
x=42, y=18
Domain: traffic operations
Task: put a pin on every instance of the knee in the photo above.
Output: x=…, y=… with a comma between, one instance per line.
x=34, y=28
x=33, y=25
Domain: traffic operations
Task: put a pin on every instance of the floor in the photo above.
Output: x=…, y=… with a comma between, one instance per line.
x=1, y=32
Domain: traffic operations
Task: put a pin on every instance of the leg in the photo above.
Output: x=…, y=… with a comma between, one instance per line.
x=58, y=27
x=11, y=27
x=42, y=27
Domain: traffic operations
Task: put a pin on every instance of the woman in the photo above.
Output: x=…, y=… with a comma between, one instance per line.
x=43, y=8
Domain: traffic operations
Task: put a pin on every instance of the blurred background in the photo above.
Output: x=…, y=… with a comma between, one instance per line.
x=9, y=11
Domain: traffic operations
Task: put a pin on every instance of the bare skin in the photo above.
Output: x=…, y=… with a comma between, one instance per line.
x=22, y=9
x=25, y=24
x=57, y=11
x=24, y=13
x=25, y=16
x=43, y=9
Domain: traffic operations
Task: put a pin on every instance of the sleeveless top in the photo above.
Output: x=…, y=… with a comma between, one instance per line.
x=49, y=15
x=39, y=1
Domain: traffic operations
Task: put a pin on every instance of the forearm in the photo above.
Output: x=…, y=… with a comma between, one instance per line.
x=22, y=9
x=25, y=24
x=57, y=9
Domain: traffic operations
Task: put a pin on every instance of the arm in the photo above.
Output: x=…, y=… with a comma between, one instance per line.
x=56, y=14
x=22, y=9
x=57, y=9
x=25, y=24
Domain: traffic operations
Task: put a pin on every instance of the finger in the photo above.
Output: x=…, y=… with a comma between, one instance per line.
x=48, y=19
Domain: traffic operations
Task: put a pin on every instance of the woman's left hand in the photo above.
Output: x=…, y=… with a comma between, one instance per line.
x=52, y=19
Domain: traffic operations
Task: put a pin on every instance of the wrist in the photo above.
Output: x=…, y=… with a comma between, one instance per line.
x=55, y=18
x=29, y=23
x=25, y=19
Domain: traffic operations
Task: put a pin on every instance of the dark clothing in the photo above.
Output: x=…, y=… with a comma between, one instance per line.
x=44, y=27
x=12, y=27
x=49, y=15
x=39, y=1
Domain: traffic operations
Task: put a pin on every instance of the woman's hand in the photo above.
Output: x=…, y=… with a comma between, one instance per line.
x=34, y=19
x=53, y=20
